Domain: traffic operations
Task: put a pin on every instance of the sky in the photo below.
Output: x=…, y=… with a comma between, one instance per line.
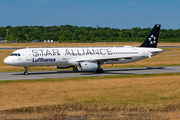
x=121, y=14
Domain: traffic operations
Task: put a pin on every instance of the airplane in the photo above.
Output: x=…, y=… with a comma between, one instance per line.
x=85, y=58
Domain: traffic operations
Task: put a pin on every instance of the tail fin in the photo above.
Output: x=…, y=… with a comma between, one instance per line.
x=152, y=38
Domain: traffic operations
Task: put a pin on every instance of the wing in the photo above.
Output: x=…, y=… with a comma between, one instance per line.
x=75, y=61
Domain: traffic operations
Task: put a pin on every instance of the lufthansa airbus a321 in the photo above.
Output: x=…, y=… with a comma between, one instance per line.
x=85, y=58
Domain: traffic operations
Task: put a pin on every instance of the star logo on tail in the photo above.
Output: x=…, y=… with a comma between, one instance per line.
x=152, y=40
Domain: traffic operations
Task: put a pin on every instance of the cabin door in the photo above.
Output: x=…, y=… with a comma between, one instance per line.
x=28, y=55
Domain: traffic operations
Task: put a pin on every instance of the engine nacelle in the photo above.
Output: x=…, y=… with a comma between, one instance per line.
x=62, y=66
x=87, y=66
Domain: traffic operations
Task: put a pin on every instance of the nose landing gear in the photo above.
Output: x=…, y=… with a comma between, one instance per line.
x=26, y=71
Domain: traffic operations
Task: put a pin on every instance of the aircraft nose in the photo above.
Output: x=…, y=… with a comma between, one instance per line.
x=7, y=60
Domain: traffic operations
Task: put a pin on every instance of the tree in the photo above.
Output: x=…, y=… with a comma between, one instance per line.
x=69, y=33
x=10, y=38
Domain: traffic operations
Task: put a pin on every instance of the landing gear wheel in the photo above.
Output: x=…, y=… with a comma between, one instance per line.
x=26, y=71
x=99, y=70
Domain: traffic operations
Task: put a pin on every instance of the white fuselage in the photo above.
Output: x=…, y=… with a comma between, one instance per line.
x=73, y=55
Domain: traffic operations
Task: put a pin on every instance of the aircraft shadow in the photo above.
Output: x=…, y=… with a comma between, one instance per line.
x=117, y=71
x=46, y=72
x=135, y=69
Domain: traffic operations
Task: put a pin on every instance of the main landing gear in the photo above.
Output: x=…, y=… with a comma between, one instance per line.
x=26, y=71
x=100, y=70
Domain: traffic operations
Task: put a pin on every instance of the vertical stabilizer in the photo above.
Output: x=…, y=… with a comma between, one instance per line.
x=152, y=38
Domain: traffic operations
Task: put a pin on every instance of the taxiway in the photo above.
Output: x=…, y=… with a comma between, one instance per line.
x=70, y=74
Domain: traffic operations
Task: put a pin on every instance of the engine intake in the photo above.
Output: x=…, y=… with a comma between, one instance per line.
x=87, y=66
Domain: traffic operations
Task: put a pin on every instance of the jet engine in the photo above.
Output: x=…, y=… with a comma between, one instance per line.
x=87, y=66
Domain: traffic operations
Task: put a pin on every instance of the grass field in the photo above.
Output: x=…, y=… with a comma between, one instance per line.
x=154, y=96
x=96, y=44
x=145, y=96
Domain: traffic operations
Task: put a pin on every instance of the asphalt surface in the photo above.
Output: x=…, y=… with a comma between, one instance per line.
x=70, y=74
x=16, y=48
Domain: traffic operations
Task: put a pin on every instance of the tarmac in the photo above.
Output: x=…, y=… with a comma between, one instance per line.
x=5, y=76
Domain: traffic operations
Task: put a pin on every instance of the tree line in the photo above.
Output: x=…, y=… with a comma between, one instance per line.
x=69, y=33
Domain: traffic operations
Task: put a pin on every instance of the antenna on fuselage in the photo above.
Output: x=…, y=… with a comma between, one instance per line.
x=27, y=47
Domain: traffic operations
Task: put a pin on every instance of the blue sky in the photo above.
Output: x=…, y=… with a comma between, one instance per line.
x=122, y=14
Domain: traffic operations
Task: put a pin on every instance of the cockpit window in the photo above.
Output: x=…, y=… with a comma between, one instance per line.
x=15, y=54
